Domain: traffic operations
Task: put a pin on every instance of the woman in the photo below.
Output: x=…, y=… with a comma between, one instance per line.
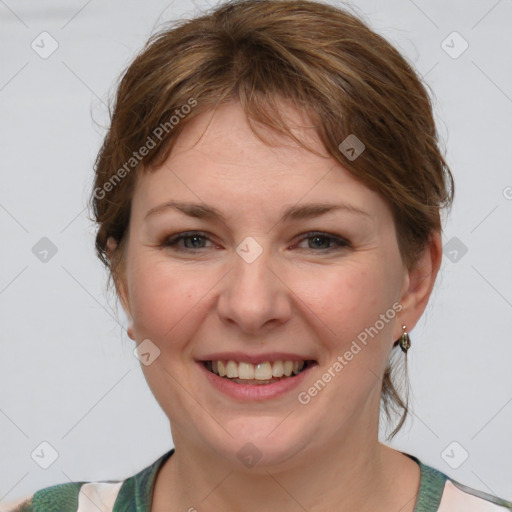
x=268, y=202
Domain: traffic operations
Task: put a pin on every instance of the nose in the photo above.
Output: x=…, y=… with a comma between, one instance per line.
x=253, y=297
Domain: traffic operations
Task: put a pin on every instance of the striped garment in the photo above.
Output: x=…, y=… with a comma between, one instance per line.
x=438, y=493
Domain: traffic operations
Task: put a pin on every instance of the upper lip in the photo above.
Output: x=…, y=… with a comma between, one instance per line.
x=254, y=358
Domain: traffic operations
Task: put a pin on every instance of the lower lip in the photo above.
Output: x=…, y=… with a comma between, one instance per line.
x=255, y=391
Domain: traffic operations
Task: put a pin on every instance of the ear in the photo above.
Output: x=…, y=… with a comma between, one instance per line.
x=419, y=283
x=120, y=285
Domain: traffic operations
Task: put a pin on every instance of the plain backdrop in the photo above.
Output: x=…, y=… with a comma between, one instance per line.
x=68, y=376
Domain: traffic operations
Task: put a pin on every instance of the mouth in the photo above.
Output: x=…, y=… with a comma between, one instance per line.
x=264, y=373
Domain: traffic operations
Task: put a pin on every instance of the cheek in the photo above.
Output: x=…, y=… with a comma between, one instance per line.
x=352, y=292
x=352, y=303
x=164, y=297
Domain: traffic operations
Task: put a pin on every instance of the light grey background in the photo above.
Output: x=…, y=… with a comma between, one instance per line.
x=68, y=376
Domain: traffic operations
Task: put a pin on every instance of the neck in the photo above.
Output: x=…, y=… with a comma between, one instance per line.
x=362, y=475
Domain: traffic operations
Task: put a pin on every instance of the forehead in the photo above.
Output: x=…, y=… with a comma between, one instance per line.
x=227, y=137
x=218, y=159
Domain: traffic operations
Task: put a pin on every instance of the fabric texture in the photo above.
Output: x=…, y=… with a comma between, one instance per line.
x=437, y=493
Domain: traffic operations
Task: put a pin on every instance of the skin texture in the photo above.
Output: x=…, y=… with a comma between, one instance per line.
x=295, y=297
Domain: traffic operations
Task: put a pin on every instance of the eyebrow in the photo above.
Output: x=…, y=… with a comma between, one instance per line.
x=297, y=212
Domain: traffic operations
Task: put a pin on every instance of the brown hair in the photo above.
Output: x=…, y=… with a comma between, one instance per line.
x=323, y=60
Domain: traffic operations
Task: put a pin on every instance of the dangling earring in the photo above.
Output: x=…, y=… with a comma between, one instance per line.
x=405, y=341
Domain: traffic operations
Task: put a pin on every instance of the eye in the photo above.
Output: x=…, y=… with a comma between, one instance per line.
x=319, y=241
x=192, y=240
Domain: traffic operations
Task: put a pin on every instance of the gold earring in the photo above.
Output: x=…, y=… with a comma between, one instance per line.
x=405, y=341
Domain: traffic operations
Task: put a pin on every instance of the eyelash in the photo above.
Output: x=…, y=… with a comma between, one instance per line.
x=173, y=241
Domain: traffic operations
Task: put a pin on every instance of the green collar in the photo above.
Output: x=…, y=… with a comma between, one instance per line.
x=431, y=487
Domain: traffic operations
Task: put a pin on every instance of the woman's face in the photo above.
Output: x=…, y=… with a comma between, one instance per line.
x=264, y=276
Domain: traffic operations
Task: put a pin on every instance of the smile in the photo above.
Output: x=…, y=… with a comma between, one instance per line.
x=266, y=372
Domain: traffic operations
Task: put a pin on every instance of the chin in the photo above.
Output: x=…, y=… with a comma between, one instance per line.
x=261, y=443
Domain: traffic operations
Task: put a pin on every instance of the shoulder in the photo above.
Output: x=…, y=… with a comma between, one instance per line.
x=133, y=493
x=69, y=497
x=457, y=496
x=442, y=493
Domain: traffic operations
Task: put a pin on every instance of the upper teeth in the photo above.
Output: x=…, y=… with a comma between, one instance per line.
x=260, y=371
